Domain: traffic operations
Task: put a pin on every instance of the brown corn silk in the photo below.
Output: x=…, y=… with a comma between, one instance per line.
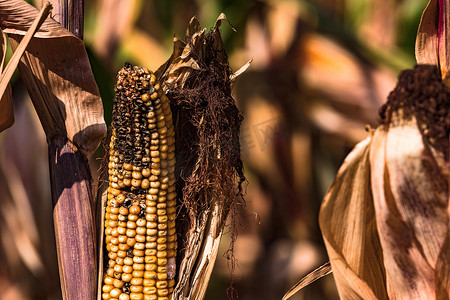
x=139, y=213
x=385, y=219
x=209, y=167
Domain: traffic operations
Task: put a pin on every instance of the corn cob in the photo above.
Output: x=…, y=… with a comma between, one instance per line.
x=140, y=236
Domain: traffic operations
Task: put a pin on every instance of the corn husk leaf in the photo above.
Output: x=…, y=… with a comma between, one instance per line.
x=347, y=221
x=385, y=219
x=6, y=108
x=432, y=44
x=410, y=260
x=208, y=198
x=56, y=71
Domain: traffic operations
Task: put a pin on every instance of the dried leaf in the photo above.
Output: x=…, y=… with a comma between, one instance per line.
x=347, y=221
x=427, y=36
x=6, y=107
x=318, y=273
x=432, y=41
x=56, y=71
x=8, y=114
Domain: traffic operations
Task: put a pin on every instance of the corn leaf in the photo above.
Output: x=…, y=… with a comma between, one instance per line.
x=347, y=221
x=432, y=44
x=6, y=108
x=56, y=71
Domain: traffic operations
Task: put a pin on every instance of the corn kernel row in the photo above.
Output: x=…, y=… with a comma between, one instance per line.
x=140, y=234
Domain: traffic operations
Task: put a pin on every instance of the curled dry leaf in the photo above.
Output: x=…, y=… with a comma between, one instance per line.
x=6, y=108
x=432, y=44
x=385, y=219
x=56, y=71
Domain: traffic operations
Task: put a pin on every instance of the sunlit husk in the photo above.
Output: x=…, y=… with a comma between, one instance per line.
x=385, y=220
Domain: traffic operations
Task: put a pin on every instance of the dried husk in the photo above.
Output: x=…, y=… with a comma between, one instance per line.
x=385, y=219
x=57, y=74
x=198, y=79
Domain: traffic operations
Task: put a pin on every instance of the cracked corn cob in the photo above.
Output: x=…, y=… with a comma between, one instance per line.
x=140, y=233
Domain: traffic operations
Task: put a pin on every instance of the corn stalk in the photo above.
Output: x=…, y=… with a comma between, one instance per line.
x=58, y=77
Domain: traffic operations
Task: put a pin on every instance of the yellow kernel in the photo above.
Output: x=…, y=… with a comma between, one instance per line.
x=106, y=296
x=139, y=246
x=137, y=281
x=126, y=277
x=141, y=230
x=123, y=210
x=132, y=218
x=161, y=240
x=161, y=284
x=136, y=175
x=162, y=227
x=115, y=293
x=138, y=274
x=136, y=182
x=163, y=219
x=136, y=289
x=118, y=283
x=124, y=246
x=150, y=252
x=135, y=209
x=140, y=238
x=150, y=267
x=124, y=296
x=118, y=268
x=131, y=226
x=154, y=96
x=128, y=261
x=161, y=254
x=121, y=253
x=148, y=282
x=122, y=239
x=149, y=290
x=161, y=262
x=131, y=232
x=108, y=280
x=161, y=276
x=139, y=267
x=152, y=191
x=145, y=97
x=107, y=288
x=155, y=184
x=150, y=274
x=127, y=269
x=137, y=252
x=162, y=269
x=161, y=247
x=136, y=296
x=110, y=272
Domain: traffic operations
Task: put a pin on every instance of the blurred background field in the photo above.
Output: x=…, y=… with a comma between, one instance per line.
x=320, y=71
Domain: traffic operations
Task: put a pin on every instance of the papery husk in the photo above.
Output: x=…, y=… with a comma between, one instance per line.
x=57, y=74
x=385, y=219
x=348, y=224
